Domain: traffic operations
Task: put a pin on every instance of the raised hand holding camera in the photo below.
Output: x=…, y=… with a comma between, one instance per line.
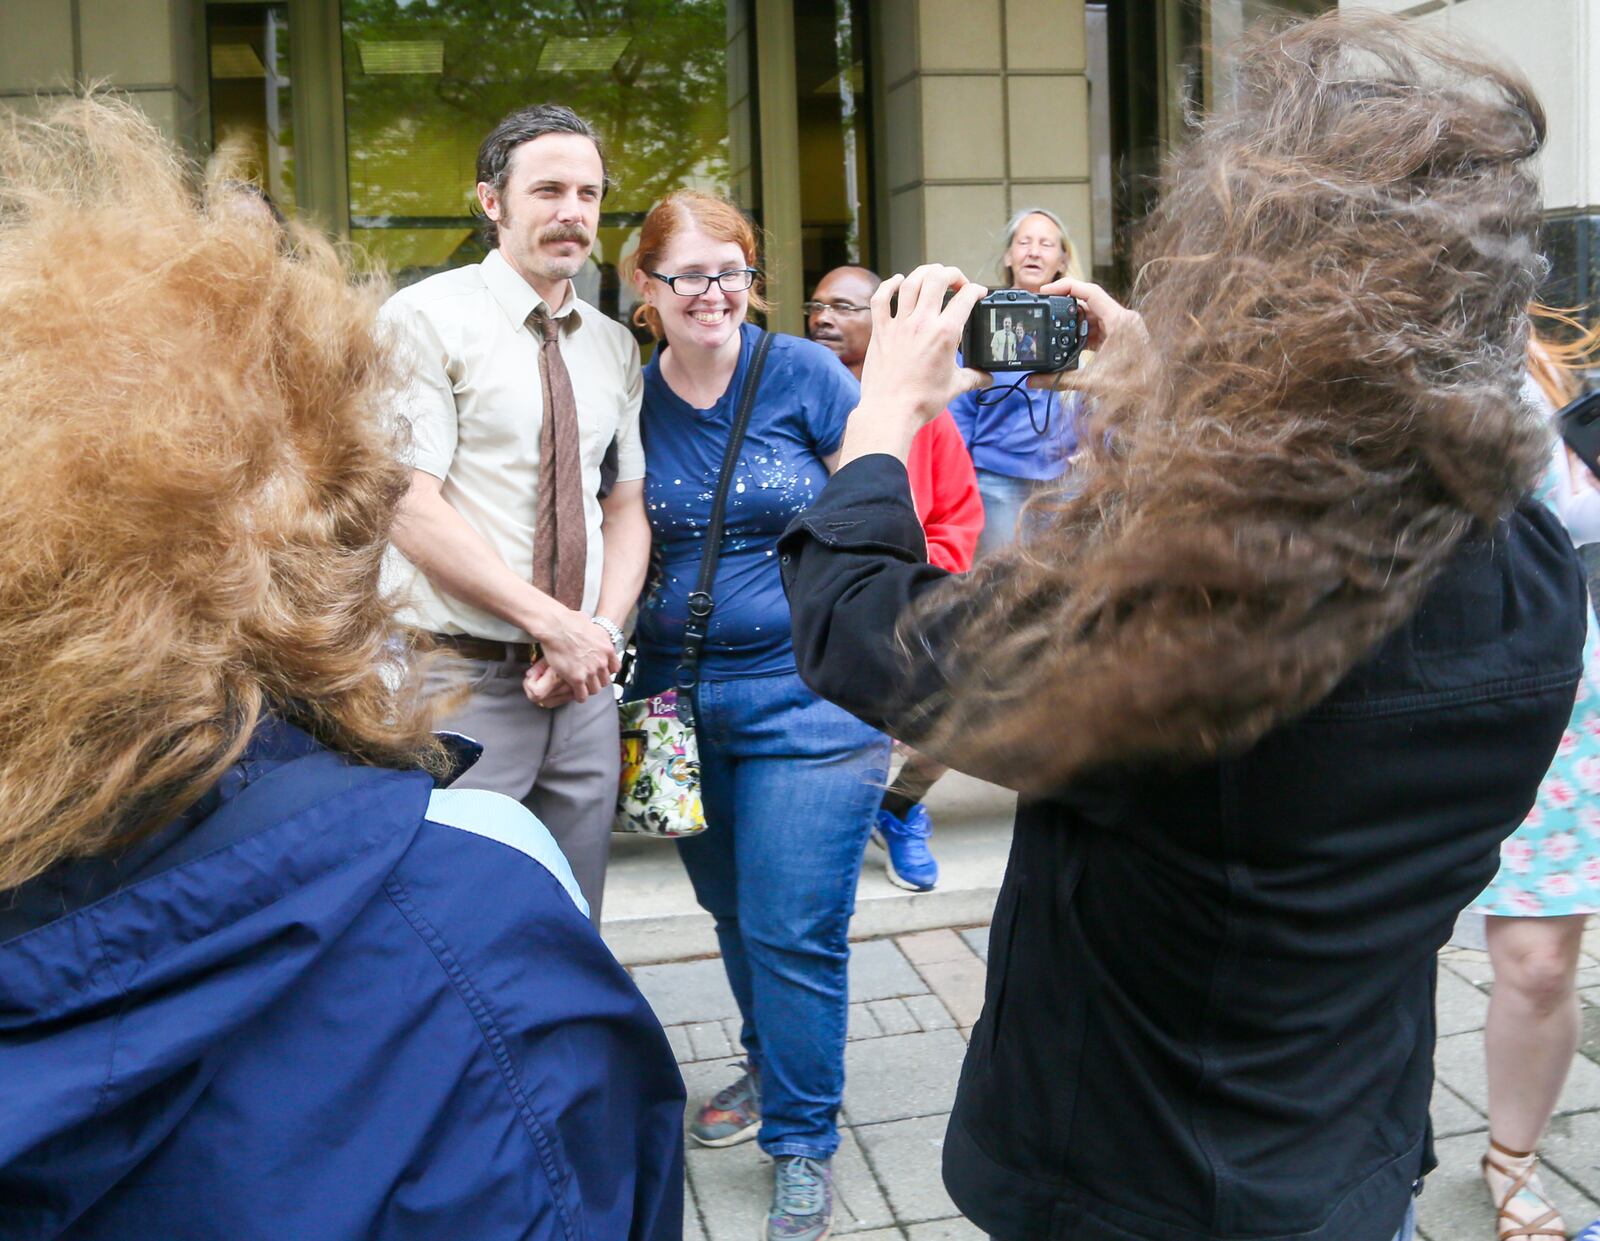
x=1103, y=317
x=910, y=373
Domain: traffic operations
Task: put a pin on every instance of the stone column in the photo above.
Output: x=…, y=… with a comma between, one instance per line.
x=143, y=48
x=983, y=109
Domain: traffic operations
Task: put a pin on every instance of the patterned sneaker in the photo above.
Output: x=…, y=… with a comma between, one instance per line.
x=802, y=1200
x=911, y=865
x=733, y=1114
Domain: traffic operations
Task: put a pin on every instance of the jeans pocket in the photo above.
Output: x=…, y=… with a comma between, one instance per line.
x=812, y=720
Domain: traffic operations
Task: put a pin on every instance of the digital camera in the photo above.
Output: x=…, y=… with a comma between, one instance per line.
x=1011, y=330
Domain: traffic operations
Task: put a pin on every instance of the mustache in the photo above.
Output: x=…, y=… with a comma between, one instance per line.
x=566, y=232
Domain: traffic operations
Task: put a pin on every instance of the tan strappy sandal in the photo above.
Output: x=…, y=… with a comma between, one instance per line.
x=1547, y=1227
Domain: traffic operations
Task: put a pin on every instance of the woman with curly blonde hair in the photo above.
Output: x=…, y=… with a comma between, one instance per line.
x=1277, y=675
x=260, y=977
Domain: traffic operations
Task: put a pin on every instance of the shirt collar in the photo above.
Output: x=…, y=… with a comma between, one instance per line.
x=518, y=298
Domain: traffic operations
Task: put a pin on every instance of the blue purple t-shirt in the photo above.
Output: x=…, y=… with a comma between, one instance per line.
x=1003, y=432
x=803, y=400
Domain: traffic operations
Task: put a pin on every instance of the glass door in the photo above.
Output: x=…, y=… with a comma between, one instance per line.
x=251, y=92
x=424, y=81
x=835, y=125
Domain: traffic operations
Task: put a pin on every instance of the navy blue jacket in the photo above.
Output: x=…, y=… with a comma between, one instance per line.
x=317, y=1008
x=1210, y=1001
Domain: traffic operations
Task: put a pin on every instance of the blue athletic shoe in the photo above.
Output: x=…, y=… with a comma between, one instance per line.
x=911, y=865
x=1591, y=1233
x=802, y=1200
x=733, y=1114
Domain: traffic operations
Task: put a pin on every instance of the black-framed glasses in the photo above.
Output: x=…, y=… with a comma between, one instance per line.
x=693, y=284
x=838, y=308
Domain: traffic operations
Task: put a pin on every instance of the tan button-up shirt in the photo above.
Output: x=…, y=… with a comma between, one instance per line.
x=475, y=404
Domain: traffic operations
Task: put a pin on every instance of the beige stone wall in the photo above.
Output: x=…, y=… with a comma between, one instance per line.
x=1556, y=43
x=983, y=109
x=142, y=47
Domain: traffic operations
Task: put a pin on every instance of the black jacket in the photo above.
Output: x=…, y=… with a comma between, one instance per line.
x=1210, y=1000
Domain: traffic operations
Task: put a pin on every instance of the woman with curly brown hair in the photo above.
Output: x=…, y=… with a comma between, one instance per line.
x=260, y=977
x=1276, y=677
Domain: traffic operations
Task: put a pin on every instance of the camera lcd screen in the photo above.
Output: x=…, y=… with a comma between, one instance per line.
x=1016, y=334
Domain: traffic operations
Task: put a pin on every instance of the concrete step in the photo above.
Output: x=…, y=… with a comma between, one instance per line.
x=651, y=914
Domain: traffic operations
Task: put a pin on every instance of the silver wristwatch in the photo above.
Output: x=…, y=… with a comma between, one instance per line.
x=612, y=632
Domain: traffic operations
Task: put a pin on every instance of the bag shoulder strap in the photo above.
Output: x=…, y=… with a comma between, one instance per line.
x=701, y=603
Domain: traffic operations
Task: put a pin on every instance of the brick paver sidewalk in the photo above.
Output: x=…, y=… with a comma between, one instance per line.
x=915, y=997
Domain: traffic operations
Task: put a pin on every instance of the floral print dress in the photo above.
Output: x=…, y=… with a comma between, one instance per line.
x=1550, y=866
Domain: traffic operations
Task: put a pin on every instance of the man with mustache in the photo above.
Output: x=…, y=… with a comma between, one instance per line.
x=942, y=480
x=1003, y=344
x=507, y=553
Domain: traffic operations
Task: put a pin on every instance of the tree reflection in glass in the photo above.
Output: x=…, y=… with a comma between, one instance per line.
x=425, y=80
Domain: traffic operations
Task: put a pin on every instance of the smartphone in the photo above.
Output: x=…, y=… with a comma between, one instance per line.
x=1580, y=428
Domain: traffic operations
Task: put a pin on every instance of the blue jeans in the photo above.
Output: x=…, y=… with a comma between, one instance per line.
x=790, y=785
x=1003, y=497
x=1408, y=1230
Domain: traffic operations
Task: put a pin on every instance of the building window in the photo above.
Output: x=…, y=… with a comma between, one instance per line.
x=1153, y=68
x=834, y=123
x=664, y=81
x=252, y=104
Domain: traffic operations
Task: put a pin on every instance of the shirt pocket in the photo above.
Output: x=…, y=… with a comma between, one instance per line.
x=599, y=415
x=786, y=481
x=759, y=469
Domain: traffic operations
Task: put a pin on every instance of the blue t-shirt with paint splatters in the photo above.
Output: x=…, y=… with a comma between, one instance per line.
x=801, y=405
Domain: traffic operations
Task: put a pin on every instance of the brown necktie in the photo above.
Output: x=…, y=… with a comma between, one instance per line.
x=560, y=534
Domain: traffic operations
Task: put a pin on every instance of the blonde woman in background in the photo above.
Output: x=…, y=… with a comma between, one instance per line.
x=1020, y=439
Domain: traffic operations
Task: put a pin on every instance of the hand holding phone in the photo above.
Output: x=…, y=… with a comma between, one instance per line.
x=1579, y=424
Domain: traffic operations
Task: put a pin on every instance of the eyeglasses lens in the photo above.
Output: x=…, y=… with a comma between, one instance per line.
x=729, y=281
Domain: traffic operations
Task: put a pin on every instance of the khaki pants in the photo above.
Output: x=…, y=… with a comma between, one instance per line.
x=562, y=764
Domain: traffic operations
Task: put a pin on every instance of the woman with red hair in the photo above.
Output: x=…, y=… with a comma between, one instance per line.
x=790, y=782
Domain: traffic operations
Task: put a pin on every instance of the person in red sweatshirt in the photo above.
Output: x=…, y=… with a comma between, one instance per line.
x=944, y=489
x=944, y=486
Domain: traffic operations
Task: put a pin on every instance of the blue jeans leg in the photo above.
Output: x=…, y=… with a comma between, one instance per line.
x=790, y=785
x=710, y=861
x=1003, y=497
x=1408, y=1230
